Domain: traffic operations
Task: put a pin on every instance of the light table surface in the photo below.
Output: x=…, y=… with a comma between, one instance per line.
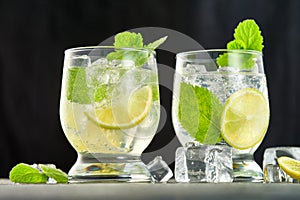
x=205, y=191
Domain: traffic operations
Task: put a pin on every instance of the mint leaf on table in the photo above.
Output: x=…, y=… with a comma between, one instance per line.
x=247, y=36
x=36, y=174
x=58, y=175
x=200, y=113
x=133, y=40
x=23, y=173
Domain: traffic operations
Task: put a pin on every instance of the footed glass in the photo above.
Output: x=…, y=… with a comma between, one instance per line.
x=109, y=112
x=221, y=97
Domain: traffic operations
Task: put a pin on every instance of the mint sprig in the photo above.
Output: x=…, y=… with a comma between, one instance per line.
x=24, y=173
x=200, y=113
x=247, y=36
x=133, y=40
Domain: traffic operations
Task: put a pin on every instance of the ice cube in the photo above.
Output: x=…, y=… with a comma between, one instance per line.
x=195, y=156
x=272, y=171
x=79, y=61
x=102, y=62
x=228, y=69
x=273, y=174
x=194, y=68
x=219, y=166
x=204, y=163
x=181, y=173
x=159, y=170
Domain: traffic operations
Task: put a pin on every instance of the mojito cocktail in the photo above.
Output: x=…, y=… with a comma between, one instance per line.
x=221, y=97
x=109, y=111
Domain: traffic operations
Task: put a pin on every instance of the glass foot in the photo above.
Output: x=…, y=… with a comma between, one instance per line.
x=94, y=168
x=245, y=169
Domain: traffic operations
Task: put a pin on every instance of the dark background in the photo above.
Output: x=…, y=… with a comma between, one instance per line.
x=35, y=33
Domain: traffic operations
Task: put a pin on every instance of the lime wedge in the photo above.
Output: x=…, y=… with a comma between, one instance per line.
x=290, y=166
x=126, y=116
x=245, y=118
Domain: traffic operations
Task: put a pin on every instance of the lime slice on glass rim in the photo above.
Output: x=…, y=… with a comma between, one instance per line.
x=245, y=118
x=126, y=115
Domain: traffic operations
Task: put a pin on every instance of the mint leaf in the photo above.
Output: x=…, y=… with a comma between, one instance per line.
x=56, y=174
x=76, y=86
x=128, y=39
x=133, y=40
x=156, y=43
x=222, y=60
x=248, y=33
x=235, y=44
x=200, y=113
x=188, y=111
x=23, y=173
x=247, y=36
x=100, y=93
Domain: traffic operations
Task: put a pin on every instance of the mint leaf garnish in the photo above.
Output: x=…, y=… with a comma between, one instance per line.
x=128, y=39
x=200, y=113
x=23, y=173
x=100, y=93
x=77, y=90
x=56, y=174
x=247, y=36
x=156, y=43
x=133, y=40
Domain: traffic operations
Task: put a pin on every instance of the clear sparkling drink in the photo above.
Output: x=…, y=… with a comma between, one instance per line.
x=109, y=112
x=221, y=103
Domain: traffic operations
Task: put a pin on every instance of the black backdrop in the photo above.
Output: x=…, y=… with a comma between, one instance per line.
x=34, y=34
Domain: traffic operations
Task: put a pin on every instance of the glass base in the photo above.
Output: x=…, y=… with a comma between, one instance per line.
x=245, y=169
x=96, y=168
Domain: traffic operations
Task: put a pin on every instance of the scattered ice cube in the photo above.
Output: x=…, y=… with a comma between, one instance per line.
x=196, y=166
x=159, y=170
x=219, y=166
x=181, y=173
x=79, y=61
x=273, y=174
x=272, y=171
x=204, y=163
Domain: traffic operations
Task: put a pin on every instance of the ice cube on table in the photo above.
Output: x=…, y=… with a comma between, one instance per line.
x=272, y=171
x=196, y=166
x=181, y=173
x=219, y=166
x=204, y=163
x=159, y=170
x=273, y=174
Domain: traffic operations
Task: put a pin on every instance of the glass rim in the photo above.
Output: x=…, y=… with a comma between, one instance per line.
x=84, y=48
x=183, y=55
